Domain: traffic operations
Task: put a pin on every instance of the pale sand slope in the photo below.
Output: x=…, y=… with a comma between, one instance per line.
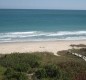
x=54, y=46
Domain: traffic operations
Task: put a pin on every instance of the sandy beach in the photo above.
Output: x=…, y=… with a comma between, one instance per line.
x=54, y=46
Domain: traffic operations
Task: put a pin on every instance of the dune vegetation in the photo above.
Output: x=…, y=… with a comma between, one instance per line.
x=42, y=66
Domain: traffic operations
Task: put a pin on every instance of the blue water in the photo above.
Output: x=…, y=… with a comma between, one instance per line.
x=42, y=25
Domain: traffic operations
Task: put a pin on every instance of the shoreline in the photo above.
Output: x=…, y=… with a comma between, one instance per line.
x=43, y=41
x=38, y=46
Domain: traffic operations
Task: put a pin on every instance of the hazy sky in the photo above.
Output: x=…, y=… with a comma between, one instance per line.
x=43, y=4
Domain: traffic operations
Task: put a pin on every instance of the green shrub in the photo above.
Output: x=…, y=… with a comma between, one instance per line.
x=52, y=71
x=2, y=71
x=41, y=73
x=22, y=76
x=49, y=71
x=20, y=62
x=10, y=74
x=22, y=67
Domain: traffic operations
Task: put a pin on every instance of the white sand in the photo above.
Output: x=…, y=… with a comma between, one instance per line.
x=6, y=48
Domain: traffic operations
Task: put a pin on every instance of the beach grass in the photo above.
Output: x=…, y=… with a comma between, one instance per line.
x=32, y=65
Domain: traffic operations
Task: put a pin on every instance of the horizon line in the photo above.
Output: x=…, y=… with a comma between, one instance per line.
x=41, y=9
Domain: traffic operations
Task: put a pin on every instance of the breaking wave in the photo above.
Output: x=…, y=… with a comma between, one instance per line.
x=42, y=36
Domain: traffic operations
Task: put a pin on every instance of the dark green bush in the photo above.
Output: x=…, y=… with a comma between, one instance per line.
x=20, y=62
x=10, y=74
x=52, y=71
x=41, y=73
x=2, y=71
x=22, y=67
x=49, y=71
x=22, y=76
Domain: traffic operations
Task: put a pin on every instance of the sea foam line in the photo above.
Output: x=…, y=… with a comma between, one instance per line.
x=42, y=39
x=40, y=33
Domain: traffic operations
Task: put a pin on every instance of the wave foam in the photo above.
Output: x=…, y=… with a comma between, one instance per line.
x=40, y=36
x=40, y=33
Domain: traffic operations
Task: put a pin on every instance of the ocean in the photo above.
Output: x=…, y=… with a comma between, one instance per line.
x=21, y=25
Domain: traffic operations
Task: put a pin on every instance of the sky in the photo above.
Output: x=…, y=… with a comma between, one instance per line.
x=43, y=4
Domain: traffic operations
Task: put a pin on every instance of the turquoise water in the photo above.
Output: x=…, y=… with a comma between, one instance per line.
x=42, y=25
